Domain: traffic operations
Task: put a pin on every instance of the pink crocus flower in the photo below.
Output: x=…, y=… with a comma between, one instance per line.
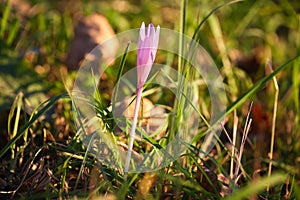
x=147, y=47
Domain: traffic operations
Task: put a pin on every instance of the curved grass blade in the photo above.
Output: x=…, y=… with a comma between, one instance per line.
x=257, y=86
x=209, y=14
x=257, y=186
x=120, y=71
x=48, y=103
x=260, y=84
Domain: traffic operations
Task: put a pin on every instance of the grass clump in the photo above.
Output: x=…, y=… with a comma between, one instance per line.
x=42, y=154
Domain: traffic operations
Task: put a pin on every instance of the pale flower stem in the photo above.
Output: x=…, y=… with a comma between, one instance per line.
x=132, y=131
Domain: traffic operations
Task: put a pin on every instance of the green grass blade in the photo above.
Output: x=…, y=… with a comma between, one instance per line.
x=255, y=187
x=120, y=71
x=253, y=11
x=84, y=161
x=296, y=190
x=296, y=84
x=15, y=109
x=4, y=19
x=260, y=84
x=13, y=31
x=64, y=176
x=182, y=31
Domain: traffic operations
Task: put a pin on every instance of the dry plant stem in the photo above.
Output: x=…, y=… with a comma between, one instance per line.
x=132, y=131
x=235, y=125
x=244, y=138
x=13, y=192
x=273, y=122
x=245, y=134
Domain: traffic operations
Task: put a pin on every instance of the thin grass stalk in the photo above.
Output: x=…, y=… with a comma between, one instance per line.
x=182, y=31
x=295, y=189
x=175, y=119
x=273, y=121
x=63, y=177
x=181, y=62
x=242, y=146
x=234, y=132
x=83, y=161
x=244, y=137
x=296, y=84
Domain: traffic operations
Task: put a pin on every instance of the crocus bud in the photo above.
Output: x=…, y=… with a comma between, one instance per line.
x=147, y=47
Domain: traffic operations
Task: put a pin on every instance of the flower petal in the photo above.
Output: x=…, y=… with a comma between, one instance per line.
x=142, y=32
x=147, y=47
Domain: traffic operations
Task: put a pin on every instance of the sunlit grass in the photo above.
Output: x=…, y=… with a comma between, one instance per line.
x=42, y=156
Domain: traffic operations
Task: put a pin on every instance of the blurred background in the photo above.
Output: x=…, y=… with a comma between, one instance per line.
x=42, y=44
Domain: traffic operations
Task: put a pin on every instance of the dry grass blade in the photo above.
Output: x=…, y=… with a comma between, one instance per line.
x=15, y=110
x=234, y=132
x=269, y=64
x=25, y=175
x=244, y=137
